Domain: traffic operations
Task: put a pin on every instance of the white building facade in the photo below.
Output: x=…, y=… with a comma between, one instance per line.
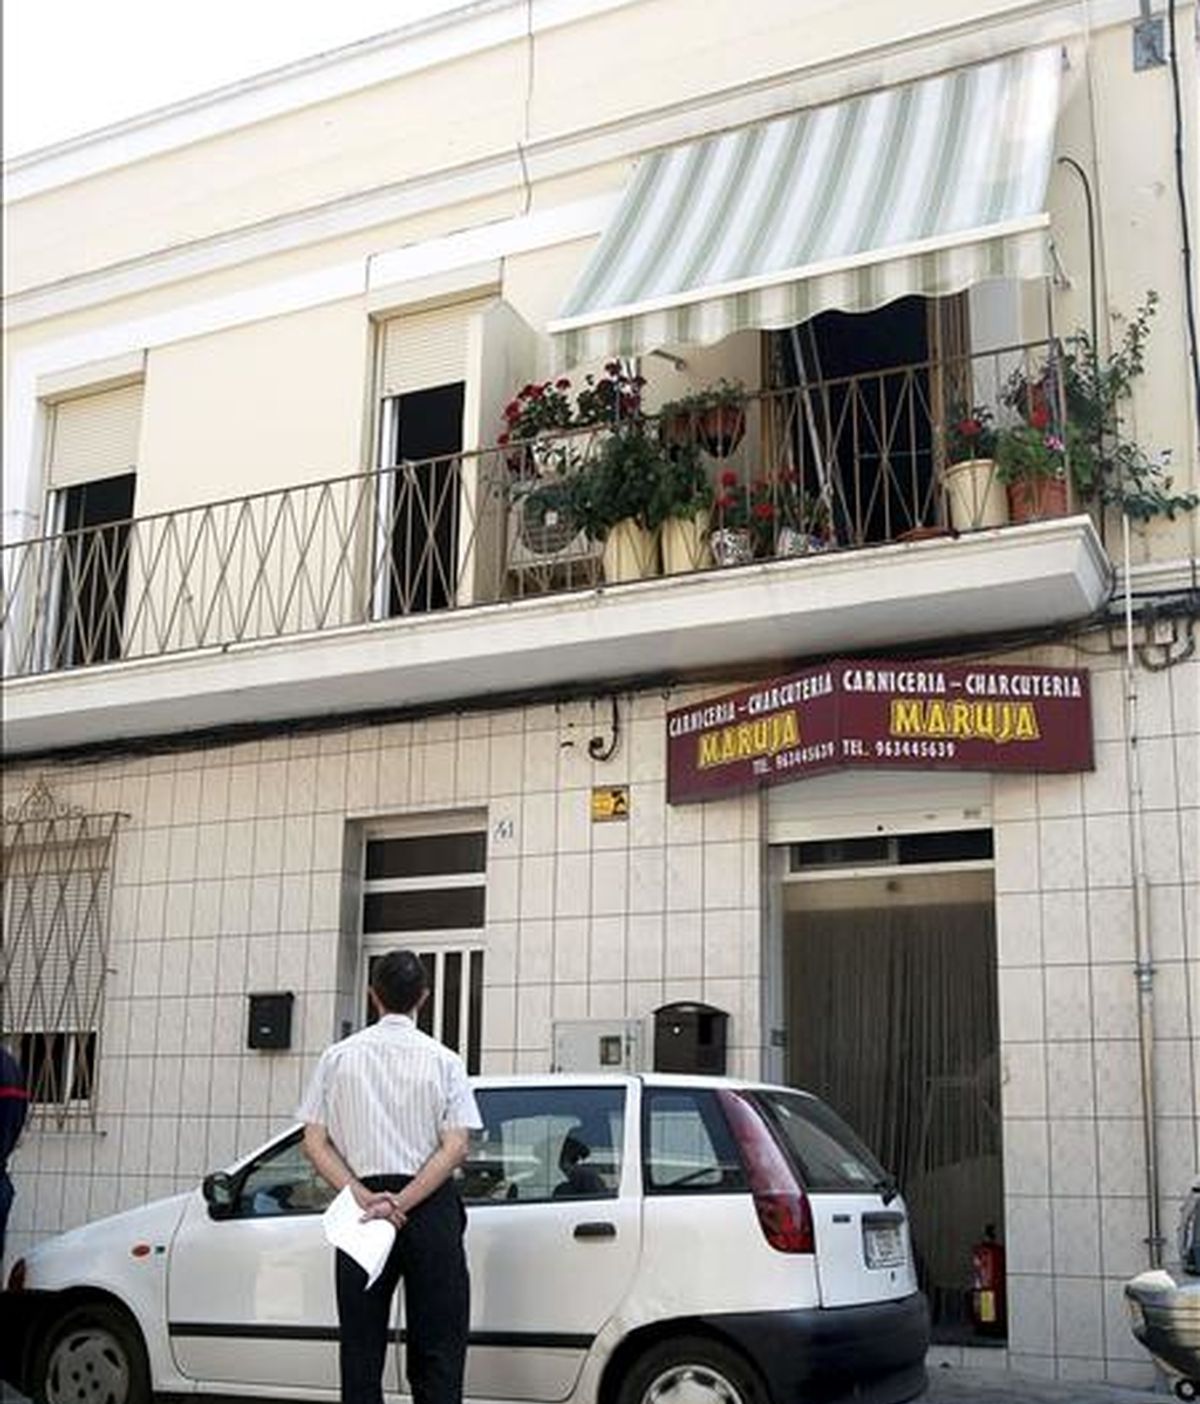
x=303, y=662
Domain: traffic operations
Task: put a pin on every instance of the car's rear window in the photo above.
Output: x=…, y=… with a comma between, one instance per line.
x=823, y=1149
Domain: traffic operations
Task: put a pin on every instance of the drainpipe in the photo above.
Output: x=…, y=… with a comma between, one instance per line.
x=1144, y=963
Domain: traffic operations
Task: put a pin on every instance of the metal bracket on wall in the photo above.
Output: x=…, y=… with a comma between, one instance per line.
x=598, y=748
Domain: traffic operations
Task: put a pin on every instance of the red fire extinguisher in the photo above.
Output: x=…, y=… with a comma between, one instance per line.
x=988, y=1306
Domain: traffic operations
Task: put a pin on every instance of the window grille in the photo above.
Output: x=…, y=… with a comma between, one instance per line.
x=57, y=896
x=427, y=891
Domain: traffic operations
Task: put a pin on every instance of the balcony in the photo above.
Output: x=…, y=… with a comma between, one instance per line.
x=438, y=581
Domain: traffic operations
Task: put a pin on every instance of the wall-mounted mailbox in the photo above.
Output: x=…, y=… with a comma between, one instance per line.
x=690, y=1038
x=270, y=1024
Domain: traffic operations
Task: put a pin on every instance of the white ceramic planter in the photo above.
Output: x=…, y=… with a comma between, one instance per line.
x=685, y=544
x=974, y=495
x=630, y=552
x=732, y=546
x=792, y=542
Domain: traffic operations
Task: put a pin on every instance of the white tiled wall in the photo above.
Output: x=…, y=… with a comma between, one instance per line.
x=232, y=875
x=1075, y=1184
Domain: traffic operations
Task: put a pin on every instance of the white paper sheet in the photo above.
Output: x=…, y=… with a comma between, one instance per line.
x=368, y=1244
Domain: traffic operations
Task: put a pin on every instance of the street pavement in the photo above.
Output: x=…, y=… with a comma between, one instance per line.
x=960, y=1385
x=951, y=1384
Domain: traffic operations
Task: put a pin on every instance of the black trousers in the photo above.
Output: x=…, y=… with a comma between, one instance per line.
x=428, y=1254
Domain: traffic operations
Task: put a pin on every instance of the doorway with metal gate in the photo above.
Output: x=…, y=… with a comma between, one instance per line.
x=889, y=968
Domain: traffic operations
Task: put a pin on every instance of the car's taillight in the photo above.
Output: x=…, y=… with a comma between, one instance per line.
x=16, y=1276
x=780, y=1201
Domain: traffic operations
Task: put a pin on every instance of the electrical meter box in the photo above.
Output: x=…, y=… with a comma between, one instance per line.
x=598, y=1045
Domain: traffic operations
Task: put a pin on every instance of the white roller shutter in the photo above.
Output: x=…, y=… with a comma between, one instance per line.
x=423, y=349
x=95, y=436
x=858, y=804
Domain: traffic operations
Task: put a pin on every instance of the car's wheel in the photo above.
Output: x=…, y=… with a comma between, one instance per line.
x=1186, y=1390
x=691, y=1370
x=93, y=1355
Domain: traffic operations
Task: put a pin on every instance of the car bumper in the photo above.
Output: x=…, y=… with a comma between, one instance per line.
x=873, y=1354
x=1167, y=1323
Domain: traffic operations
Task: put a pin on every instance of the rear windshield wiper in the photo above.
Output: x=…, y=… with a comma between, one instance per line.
x=887, y=1187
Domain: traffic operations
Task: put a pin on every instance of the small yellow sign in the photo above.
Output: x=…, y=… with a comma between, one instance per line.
x=609, y=803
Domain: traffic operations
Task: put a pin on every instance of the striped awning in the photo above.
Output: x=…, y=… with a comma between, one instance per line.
x=925, y=188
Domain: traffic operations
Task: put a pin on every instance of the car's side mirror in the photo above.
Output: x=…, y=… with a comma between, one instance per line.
x=219, y=1194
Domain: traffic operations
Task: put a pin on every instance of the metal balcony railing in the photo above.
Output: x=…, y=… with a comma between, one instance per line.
x=837, y=464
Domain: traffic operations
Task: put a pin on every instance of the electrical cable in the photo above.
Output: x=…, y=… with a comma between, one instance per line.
x=1074, y=165
x=1189, y=296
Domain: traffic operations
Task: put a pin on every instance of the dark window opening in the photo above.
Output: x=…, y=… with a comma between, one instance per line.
x=426, y=499
x=862, y=433
x=424, y=909
x=93, y=571
x=426, y=855
x=893, y=850
x=59, y=1067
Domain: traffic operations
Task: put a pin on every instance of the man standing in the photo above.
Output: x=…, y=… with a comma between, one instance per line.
x=388, y=1112
x=14, y=1099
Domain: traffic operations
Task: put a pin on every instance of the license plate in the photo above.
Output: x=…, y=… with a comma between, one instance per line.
x=885, y=1247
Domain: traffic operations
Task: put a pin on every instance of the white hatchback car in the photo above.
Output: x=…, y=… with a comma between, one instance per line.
x=632, y=1240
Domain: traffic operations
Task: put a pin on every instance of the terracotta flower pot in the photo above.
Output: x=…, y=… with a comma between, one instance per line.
x=975, y=497
x=721, y=429
x=1035, y=499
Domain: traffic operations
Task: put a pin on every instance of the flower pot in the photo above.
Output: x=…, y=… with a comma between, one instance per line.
x=721, y=429
x=630, y=552
x=678, y=430
x=1034, y=499
x=975, y=497
x=732, y=546
x=791, y=541
x=685, y=544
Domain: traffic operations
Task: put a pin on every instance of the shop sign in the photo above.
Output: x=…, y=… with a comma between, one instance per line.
x=881, y=714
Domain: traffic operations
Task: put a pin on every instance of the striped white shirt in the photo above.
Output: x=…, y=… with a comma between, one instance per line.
x=386, y=1094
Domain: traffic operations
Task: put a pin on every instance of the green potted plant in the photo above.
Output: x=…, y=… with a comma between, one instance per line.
x=731, y=538
x=535, y=421
x=1031, y=460
x=685, y=510
x=1072, y=426
x=617, y=499
x=1116, y=472
x=611, y=398
x=975, y=496
x=714, y=417
x=786, y=521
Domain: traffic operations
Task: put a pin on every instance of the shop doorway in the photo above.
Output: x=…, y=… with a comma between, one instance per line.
x=891, y=1016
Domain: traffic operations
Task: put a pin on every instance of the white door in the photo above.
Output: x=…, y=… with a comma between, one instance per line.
x=554, y=1238
x=250, y=1297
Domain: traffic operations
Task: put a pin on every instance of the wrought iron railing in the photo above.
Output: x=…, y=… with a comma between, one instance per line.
x=840, y=463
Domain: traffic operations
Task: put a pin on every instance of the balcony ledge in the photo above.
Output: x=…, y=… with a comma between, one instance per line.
x=1015, y=578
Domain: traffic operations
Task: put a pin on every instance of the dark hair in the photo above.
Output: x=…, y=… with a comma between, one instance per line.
x=399, y=980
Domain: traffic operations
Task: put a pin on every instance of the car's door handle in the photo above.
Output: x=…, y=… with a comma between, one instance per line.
x=596, y=1230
